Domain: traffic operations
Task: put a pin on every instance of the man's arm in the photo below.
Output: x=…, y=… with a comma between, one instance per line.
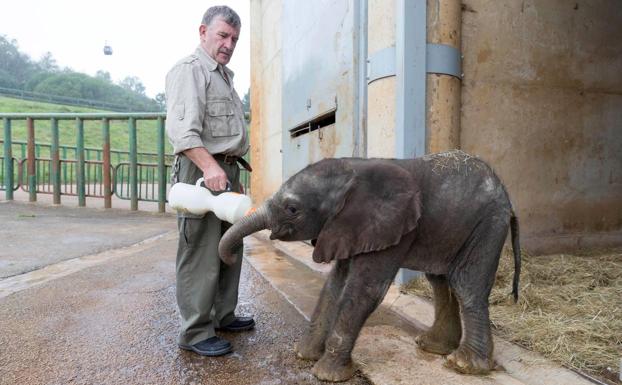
x=214, y=176
x=184, y=121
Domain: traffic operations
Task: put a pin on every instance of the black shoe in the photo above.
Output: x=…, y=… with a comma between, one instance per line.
x=239, y=324
x=212, y=347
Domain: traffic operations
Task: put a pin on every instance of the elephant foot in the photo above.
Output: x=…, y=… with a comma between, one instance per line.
x=330, y=369
x=433, y=344
x=465, y=361
x=307, y=350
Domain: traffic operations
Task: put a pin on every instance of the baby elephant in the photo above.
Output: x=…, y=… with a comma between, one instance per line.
x=445, y=214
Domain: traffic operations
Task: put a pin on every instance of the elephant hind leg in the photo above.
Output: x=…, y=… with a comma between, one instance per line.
x=444, y=335
x=474, y=355
x=471, y=278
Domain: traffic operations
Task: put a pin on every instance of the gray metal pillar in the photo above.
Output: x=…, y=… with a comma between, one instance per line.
x=360, y=132
x=410, y=70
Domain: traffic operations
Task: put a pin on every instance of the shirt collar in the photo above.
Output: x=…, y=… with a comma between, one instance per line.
x=210, y=63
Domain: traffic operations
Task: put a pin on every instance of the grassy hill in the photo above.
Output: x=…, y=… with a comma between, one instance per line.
x=119, y=135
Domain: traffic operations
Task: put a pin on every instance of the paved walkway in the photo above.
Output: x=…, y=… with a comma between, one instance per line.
x=110, y=317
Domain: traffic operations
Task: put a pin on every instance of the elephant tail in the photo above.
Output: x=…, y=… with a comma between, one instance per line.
x=516, y=249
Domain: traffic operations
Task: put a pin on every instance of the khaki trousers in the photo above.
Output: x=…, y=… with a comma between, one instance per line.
x=207, y=289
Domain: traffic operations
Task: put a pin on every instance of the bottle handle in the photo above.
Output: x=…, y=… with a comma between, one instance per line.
x=202, y=180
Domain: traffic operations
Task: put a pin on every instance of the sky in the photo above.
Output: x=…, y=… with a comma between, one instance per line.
x=147, y=37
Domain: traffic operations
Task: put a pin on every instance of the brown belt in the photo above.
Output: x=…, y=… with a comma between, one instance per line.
x=232, y=159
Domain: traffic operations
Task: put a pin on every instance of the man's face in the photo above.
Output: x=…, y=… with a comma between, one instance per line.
x=219, y=39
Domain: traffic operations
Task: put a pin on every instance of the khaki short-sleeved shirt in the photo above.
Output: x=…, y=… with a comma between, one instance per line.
x=203, y=109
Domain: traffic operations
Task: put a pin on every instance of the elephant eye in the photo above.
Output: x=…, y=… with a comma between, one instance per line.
x=291, y=209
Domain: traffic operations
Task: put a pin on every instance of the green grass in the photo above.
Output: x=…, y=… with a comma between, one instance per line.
x=119, y=132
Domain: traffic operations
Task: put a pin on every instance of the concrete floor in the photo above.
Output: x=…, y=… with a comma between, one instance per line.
x=111, y=317
x=88, y=296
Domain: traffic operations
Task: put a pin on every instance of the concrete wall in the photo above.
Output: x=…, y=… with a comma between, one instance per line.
x=381, y=93
x=266, y=108
x=542, y=101
x=443, y=92
x=320, y=79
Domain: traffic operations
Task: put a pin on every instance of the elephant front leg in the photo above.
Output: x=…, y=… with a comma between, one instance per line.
x=365, y=287
x=311, y=346
x=444, y=335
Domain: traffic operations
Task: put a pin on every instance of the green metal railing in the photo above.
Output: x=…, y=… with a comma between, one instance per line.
x=147, y=171
x=87, y=172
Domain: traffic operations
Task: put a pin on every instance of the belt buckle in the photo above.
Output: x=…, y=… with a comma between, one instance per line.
x=230, y=159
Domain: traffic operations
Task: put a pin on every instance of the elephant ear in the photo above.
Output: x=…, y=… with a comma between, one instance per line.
x=383, y=203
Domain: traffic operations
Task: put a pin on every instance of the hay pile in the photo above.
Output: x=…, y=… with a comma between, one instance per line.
x=569, y=309
x=453, y=160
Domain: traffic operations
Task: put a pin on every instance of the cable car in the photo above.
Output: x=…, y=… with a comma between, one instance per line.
x=107, y=49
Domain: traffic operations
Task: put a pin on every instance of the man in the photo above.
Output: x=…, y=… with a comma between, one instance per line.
x=205, y=125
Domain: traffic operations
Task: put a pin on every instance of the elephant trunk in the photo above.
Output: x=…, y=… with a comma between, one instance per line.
x=232, y=239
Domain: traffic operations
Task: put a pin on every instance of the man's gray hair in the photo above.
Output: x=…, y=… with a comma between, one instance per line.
x=227, y=14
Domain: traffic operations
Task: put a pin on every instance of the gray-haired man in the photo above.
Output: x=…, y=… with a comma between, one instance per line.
x=205, y=125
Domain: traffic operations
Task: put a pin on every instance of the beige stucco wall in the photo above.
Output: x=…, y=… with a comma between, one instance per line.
x=266, y=109
x=381, y=93
x=542, y=102
x=443, y=92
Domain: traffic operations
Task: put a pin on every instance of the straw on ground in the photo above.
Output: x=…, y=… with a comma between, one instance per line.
x=569, y=309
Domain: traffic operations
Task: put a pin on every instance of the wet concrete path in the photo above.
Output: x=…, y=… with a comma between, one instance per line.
x=87, y=296
x=115, y=320
x=33, y=236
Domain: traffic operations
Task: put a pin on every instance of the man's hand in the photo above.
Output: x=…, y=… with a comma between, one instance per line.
x=214, y=176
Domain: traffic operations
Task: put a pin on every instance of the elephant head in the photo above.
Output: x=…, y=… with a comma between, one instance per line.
x=345, y=206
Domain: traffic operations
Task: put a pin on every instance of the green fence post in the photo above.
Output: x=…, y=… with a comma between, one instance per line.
x=161, y=167
x=39, y=167
x=87, y=170
x=133, y=164
x=140, y=181
x=8, y=161
x=64, y=165
x=31, y=161
x=80, y=163
x=55, y=162
x=98, y=169
x=106, y=163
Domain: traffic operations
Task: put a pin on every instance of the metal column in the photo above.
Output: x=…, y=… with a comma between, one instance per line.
x=410, y=63
x=410, y=69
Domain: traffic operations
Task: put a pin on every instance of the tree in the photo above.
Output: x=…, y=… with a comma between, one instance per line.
x=161, y=100
x=246, y=101
x=7, y=80
x=19, y=71
x=133, y=83
x=103, y=75
x=47, y=63
x=18, y=66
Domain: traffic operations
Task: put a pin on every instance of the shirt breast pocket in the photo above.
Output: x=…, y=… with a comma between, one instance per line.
x=221, y=119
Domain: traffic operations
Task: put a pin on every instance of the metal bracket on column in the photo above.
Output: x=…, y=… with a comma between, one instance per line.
x=443, y=59
x=440, y=59
x=381, y=64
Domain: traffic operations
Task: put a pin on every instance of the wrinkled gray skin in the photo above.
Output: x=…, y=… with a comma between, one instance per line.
x=445, y=214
